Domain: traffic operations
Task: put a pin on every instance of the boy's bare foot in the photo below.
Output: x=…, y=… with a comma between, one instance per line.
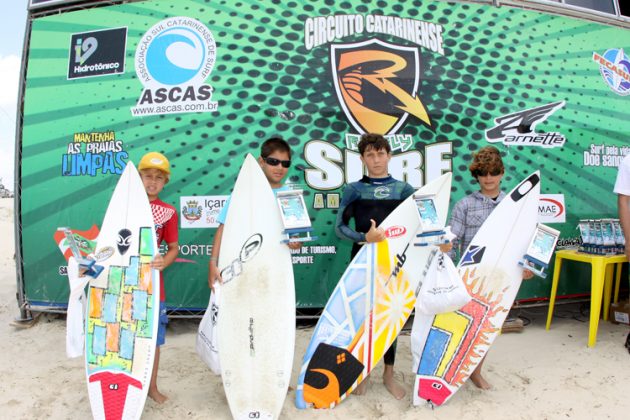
x=392, y=385
x=362, y=387
x=479, y=381
x=157, y=396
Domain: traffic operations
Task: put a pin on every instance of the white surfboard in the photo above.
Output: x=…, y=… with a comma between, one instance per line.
x=257, y=323
x=448, y=347
x=369, y=306
x=123, y=305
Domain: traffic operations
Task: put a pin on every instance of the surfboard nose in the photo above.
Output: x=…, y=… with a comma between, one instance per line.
x=526, y=186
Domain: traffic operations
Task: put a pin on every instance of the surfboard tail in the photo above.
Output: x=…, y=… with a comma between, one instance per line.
x=331, y=372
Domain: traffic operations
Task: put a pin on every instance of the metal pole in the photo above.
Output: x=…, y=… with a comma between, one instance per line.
x=25, y=313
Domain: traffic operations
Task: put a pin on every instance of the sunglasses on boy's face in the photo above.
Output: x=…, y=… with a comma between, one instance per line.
x=496, y=172
x=275, y=162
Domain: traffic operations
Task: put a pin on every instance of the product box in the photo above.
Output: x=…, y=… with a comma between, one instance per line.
x=620, y=313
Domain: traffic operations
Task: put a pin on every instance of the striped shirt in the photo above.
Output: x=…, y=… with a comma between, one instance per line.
x=467, y=217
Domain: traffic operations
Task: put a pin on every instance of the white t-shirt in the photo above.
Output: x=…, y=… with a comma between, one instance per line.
x=622, y=185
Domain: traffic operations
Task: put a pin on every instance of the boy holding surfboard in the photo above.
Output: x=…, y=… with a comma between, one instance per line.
x=275, y=161
x=470, y=212
x=369, y=201
x=155, y=171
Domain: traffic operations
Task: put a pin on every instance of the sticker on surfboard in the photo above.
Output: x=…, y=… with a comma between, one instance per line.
x=368, y=308
x=448, y=347
x=123, y=305
x=256, y=328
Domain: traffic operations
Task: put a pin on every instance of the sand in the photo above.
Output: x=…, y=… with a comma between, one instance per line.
x=536, y=374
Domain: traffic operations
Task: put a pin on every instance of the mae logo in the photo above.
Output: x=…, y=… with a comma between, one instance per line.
x=518, y=129
x=173, y=60
x=614, y=66
x=551, y=208
x=377, y=85
x=97, y=53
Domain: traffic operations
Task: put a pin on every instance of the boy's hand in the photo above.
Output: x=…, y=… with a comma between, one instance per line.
x=527, y=274
x=158, y=262
x=446, y=247
x=214, y=275
x=374, y=234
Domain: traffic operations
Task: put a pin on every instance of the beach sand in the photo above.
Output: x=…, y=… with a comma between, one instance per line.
x=536, y=374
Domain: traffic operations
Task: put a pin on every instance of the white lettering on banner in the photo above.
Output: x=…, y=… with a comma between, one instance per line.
x=322, y=30
x=609, y=156
x=330, y=168
x=298, y=258
x=195, y=249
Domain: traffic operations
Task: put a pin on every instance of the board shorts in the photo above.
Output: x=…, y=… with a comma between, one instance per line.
x=162, y=321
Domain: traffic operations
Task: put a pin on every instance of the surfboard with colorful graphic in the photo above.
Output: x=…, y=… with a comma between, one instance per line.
x=369, y=306
x=123, y=305
x=256, y=327
x=448, y=347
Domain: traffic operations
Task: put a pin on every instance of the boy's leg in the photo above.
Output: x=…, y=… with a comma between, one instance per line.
x=362, y=387
x=391, y=384
x=154, y=393
x=479, y=380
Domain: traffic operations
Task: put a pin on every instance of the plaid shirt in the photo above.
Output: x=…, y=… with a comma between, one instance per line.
x=467, y=217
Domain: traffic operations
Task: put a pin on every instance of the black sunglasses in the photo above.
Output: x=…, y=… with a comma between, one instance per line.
x=275, y=162
x=496, y=172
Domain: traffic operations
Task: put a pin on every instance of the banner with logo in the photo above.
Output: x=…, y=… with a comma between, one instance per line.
x=206, y=85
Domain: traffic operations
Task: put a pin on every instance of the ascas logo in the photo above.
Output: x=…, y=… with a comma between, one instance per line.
x=97, y=53
x=173, y=60
x=395, y=231
x=377, y=85
x=551, y=208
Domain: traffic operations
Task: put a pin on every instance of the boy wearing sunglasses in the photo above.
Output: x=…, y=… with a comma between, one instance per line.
x=369, y=201
x=275, y=161
x=470, y=212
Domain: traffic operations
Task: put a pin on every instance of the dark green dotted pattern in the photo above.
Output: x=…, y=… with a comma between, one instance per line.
x=497, y=61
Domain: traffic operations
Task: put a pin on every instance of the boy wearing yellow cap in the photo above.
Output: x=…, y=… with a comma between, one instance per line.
x=155, y=172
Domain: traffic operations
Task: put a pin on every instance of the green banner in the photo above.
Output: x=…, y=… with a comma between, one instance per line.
x=207, y=82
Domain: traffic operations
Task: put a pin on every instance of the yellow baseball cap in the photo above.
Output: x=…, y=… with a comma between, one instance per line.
x=154, y=160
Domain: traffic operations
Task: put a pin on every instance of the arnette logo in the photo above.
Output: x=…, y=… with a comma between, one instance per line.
x=173, y=60
x=519, y=128
x=377, y=85
x=395, y=231
x=97, y=53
